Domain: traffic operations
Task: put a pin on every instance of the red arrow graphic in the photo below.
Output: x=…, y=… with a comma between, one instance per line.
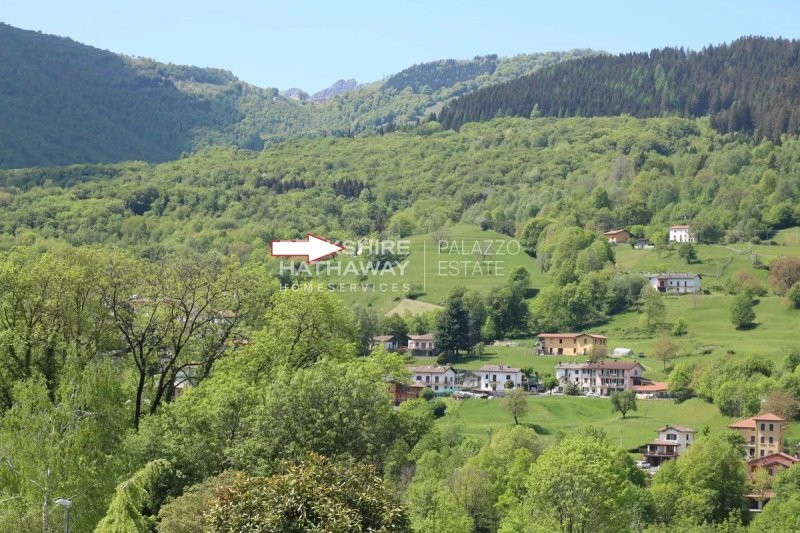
x=313, y=248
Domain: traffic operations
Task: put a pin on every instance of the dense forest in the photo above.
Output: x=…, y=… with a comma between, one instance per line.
x=598, y=172
x=751, y=85
x=63, y=102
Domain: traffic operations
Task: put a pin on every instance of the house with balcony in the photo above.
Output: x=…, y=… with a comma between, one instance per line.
x=572, y=344
x=602, y=377
x=495, y=377
x=675, y=282
x=421, y=344
x=763, y=434
x=671, y=441
x=435, y=377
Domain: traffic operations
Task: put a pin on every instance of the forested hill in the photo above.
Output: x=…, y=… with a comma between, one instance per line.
x=753, y=84
x=63, y=102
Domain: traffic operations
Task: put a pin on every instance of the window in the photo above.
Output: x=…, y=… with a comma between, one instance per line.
x=494, y=377
x=672, y=436
x=762, y=439
x=752, y=439
x=762, y=453
x=486, y=377
x=687, y=436
x=419, y=378
x=436, y=379
x=771, y=427
x=770, y=440
x=762, y=426
x=427, y=379
x=436, y=387
x=508, y=377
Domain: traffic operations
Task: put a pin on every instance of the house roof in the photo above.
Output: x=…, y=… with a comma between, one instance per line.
x=615, y=231
x=423, y=337
x=613, y=365
x=673, y=275
x=750, y=423
x=383, y=338
x=658, y=442
x=430, y=369
x=682, y=429
x=773, y=458
x=747, y=423
x=656, y=386
x=498, y=368
x=770, y=417
x=680, y=226
x=569, y=335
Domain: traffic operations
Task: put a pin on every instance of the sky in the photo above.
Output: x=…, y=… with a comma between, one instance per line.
x=282, y=43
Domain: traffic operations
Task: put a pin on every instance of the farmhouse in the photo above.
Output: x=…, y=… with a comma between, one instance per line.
x=387, y=341
x=421, y=344
x=681, y=233
x=495, y=377
x=774, y=463
x=654, y=389
x=572, y=344
x=603, y=377
x=434, y=376
x=671, y=441
x=617, y=236
x=763, y=434
x=675, y=282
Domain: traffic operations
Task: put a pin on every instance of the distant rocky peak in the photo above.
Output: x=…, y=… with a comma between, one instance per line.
x=340, y=87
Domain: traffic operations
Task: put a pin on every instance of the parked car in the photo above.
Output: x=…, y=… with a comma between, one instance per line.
x=592, y=394
x=642, y=464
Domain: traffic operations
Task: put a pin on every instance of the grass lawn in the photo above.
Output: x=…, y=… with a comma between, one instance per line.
x=550, y=414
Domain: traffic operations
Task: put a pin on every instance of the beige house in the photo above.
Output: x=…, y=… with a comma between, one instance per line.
x=763, y=434
x=434, y=376
x=572, y=344
x=603, y=377
x=672, y=440
x=421, y=344
x=617, y=236
x=387, y=341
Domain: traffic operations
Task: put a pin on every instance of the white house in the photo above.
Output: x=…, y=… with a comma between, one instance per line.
x=387, y=341
x=434, y=376
x=421, y=344
x=681, y=233
x=671, y=442
x=675, y=282
x=494, y=377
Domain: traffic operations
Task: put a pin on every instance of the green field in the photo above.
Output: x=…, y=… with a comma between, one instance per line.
x=549, y=415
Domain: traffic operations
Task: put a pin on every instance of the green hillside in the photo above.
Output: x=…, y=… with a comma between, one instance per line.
x=64, y=102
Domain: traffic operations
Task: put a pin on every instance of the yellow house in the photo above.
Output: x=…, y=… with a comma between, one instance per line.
x=763, y=434
x=572, y=344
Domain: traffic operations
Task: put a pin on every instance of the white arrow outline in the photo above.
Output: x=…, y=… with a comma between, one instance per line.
x=314, y=248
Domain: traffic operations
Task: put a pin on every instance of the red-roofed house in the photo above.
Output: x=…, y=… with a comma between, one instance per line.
x=654, y=389
x=672, y=441
x=773, y=463
x=681, y=233
x=387, y=341
x=763, y=434
x=421, y=344
x=572, y=344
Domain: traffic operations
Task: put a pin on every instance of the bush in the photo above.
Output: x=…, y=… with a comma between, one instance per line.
x=426, y=394
x=794, y=295
x=438, y=408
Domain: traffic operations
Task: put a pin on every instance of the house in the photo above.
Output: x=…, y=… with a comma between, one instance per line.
x=651, y=390
x=572, y=344
x=681, y=233
x=421, y=344
x=617, y=236
x=603, y=377
x=402, y=392
x=434, y=376
x=641, y=244
x=675, y=282
x=774, y=463
x=495, y=377
x=763, y=434
x=387, y=341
